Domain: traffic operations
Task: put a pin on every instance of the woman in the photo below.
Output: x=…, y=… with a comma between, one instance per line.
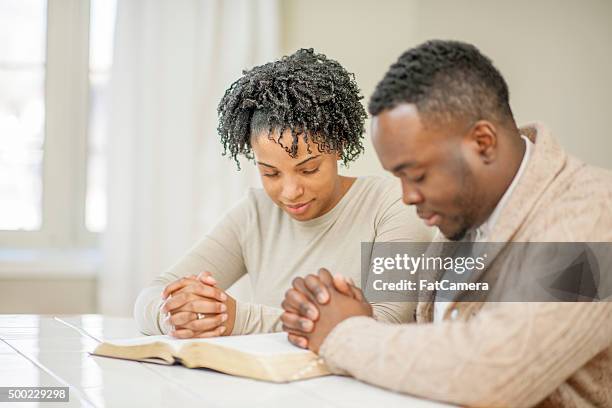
x=296, y=117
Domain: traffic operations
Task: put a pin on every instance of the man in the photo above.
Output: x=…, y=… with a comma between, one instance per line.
x=442, y=124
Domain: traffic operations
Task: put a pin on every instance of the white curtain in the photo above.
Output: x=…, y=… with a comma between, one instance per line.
x=168, y=182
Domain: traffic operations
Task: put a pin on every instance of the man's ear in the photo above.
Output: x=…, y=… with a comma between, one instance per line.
x=483, y=137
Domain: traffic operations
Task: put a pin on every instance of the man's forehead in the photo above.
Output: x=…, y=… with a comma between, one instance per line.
x=400, y=122
x=398, y=156
x=402, y=110
x=400, y=138
x=397, y=126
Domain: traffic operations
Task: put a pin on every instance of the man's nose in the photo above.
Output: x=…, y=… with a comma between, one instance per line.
x=410, y=195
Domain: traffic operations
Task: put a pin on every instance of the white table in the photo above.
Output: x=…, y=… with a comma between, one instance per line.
x=37, y=350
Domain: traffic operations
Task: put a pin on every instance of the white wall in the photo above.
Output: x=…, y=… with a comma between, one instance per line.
x=555, y=55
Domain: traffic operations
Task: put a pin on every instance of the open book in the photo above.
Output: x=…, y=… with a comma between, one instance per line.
x=268, y=357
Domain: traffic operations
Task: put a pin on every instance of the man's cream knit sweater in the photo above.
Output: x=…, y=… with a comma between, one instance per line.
x=504, y=354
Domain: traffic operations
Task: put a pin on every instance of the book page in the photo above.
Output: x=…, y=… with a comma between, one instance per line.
x=272, y=343
x=265, y=344
x=174, y=343
x=268, y=357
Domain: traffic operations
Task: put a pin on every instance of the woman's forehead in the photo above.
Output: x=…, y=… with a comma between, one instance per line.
x=272, y=149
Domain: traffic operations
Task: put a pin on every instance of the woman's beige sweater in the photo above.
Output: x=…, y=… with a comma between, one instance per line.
x=259, y=238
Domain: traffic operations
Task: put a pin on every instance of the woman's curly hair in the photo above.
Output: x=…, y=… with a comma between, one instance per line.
x=306, y=93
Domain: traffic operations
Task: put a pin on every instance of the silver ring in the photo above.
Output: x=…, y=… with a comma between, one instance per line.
x=200, y=316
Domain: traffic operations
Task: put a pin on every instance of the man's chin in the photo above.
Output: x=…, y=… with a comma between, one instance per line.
x=454, y=235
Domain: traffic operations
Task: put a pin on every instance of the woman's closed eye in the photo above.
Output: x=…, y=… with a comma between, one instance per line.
x=310, y=171
x=271, y=174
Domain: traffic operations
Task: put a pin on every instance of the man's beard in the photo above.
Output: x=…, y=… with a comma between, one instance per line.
x=459, y=235
x=464, y=227
x=466, y=200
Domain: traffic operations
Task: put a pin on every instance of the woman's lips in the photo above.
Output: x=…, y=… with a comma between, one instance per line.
x=298, y=209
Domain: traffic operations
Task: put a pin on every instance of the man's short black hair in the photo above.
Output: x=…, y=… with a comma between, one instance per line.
x=447, y=81
x=307, y=93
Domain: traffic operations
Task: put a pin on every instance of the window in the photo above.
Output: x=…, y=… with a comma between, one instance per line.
x=22, y=74
x=100, y=63
x=55, y=60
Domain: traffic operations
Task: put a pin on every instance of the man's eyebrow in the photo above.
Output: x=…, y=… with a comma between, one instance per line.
x=307, y=160
x=403, y=166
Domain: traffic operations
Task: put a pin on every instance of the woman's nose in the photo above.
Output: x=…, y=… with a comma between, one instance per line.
x=292, y=190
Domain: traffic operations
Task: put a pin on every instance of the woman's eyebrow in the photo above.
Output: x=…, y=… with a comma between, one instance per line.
x=266, y=164
x=299, y=164
x=307, y=160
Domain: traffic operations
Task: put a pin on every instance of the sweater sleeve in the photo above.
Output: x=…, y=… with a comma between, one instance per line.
x=511, y=355
x=219, y=252
x=256, y=318
x=397, y=222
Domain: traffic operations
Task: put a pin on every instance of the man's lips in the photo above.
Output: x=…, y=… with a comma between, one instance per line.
x=299, y=208
x=430, y=218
